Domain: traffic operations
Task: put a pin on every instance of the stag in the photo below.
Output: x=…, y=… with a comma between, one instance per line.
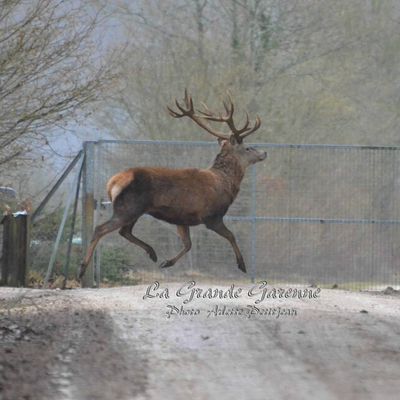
x=183, y=197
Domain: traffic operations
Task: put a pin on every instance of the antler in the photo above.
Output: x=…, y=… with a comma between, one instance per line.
x=239, y=134
x=207, y=114
x=189, y=112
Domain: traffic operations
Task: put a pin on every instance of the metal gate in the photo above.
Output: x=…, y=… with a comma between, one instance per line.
x=310, y=214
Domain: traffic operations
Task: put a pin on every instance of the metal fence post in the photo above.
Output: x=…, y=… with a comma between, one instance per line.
x=61, y=227
x=88, y=207
x=73, y=222
x=253, y=269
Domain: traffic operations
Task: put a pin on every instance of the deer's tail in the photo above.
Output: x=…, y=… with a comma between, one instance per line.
x=117, y=183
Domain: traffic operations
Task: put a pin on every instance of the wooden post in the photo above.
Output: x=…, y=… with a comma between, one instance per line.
x=6, y=256
x=16, y=239
x=88, y=207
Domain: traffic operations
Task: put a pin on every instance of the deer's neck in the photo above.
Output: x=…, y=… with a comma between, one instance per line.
x=230, y=168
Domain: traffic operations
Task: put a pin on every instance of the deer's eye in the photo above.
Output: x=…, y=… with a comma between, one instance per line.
x=247, y=148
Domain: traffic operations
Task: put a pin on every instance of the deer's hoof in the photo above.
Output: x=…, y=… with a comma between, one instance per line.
x=242, y=266
x=152, y=254
x=166, y=264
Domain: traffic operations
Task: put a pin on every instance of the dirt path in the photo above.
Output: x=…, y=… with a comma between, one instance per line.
x=113, y=344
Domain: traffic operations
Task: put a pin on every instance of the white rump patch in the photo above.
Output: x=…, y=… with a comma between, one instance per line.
x=115, y=191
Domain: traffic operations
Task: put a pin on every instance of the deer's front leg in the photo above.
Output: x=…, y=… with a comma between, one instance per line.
x=217, y=225
x=184, y=233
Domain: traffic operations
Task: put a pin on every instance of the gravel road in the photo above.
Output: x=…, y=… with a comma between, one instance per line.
x=116, y=344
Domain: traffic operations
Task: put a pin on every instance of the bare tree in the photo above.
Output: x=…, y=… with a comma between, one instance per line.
x=50, y=68
x=316, y=71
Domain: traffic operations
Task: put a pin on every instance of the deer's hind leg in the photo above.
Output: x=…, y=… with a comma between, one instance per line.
x=126, y=232
x=184, y=233
x=101, y=230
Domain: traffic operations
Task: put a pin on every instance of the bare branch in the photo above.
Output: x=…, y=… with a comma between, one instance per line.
x=50, y=66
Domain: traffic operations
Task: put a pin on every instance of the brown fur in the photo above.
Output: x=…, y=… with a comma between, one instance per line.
x=182, y=196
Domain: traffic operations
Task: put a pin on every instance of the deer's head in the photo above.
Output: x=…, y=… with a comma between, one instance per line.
x=232, y=142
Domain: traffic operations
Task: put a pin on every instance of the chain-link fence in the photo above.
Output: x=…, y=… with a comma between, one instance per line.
x=315, y=214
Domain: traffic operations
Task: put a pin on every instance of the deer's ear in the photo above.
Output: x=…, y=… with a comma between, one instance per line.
x=222, y=142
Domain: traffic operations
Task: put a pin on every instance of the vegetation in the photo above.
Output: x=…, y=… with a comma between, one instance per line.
x=315, y=71
x=51, y=69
